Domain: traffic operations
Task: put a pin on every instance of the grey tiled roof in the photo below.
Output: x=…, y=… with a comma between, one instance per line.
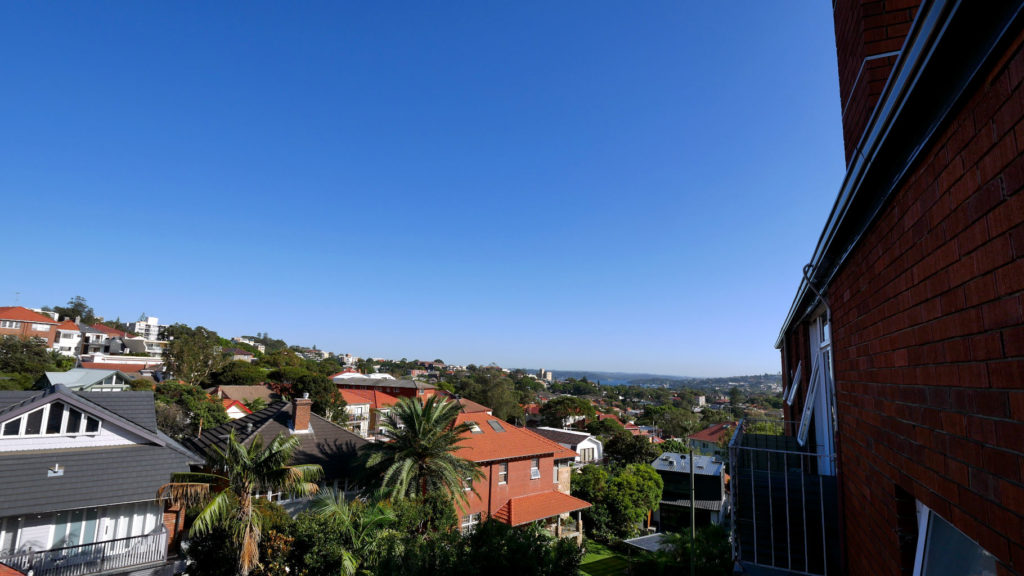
x=92, y=477
x=713, y=505
x=328, y=445
x=136, y=407
x=384, y=382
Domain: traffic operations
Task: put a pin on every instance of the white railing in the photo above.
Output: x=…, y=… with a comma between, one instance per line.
x=91, y=558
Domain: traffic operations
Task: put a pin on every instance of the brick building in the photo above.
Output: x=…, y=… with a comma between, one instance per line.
x=526, y=478
x=905, y=342
x=24, y=323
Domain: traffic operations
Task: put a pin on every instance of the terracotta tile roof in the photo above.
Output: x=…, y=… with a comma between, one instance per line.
x=246, y=393
x=6, y=570
x=23, y=315
x=715, y=432
x=228, y=403
x=533, y=409
x=533, y=507
x=108, y=330
x=67, y=325
x=510, y=442
x=127, y=368
x=469, y=407
x=375, y=398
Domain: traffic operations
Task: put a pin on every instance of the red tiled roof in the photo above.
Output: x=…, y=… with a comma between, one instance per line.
x=714, y=432
x=374, y=398
x=24, y=315
x=127, y=368
x=67, y=325
x=469, y=407
x=533, y=409
x=489, y=444
x=108, y=330
x=525, y=509
x=228, y=403
x=354, y=396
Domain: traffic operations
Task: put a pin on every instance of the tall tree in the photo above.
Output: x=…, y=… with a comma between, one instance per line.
x=418, y=454
x=193, y=354
x=77, y=307
x=559, y=412
x=226, y=490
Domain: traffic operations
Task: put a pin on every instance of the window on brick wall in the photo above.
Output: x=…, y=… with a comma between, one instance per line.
x=503, y=473
x=944, y=550
x=535, y=468
x=819, y=405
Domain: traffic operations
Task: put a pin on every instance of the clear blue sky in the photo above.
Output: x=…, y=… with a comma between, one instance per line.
x=571, y=185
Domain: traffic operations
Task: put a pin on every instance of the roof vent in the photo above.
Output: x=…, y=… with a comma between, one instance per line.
x=671, y=462
x=57, y=470
x=666, y=459
x=248, y=428
x=305, y=395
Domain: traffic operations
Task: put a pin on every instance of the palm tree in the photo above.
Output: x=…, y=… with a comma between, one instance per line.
x=418, y=454
x=235, y=476
x=365, y=526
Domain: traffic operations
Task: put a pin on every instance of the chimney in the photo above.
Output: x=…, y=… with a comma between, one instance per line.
x=300, y=413
x=869, y=36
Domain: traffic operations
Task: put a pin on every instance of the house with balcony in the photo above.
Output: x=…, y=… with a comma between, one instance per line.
x=358, y=407
x=526, y=478
x=89, y=380
x=67, y=338
x=389, y=385
x=707, y=498
x=80, y=472
x=903, y=348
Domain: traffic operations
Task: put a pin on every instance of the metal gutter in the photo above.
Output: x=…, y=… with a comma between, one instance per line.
x=898, y=133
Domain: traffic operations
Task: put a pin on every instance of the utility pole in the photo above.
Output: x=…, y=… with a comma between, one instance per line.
x=693, y=521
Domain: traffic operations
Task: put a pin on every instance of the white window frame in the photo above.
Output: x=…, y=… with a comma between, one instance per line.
x=535, y=469
x=503, y=473
x=12, y=324
x=23, y=423
x=41, y=327
x=469, y=523
x=819, y=404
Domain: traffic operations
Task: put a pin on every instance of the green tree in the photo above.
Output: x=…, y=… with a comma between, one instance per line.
x=77, y=307
x=558, y=411
x=624, y=448
x=193, y=354
x=226, y=490
x=620, y=499
x=418, y=454
x=605, y=428
x=297, y=380
x=198, y=410
x=358, y=531
x=237, y=373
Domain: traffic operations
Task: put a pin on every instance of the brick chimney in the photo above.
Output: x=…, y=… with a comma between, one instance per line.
x=300, y=413
x=869, y=36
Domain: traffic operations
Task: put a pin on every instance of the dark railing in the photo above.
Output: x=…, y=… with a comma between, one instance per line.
x=94, y=558
x=784, y=501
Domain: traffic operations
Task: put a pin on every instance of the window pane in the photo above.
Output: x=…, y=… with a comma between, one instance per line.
x=34, y=422
x=75, y=534
x=74, y=421
x=60, y=531
x=11, y=428
x=53, y=420
x=90, y=526
x=91, y=424
x=949, y=552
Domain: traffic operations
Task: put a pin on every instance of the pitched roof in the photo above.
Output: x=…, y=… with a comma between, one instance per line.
x=108, y=330
x=342, y=380
x=81, y=377
x=355, y=396
x=247, y=393
x=6, y=570
x=715, y=432
x=228, y=403
x=24, y=315
x=329, y=445
x=375, y=398
x=525, y=509
x=469, y=407
x=67, y=325
x=503, y=441
x=570, y=437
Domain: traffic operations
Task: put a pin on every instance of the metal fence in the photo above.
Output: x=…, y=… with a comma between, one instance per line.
x=94, y=558
x=784, y=512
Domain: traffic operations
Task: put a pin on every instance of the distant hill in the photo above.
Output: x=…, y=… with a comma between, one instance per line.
x=755, y=381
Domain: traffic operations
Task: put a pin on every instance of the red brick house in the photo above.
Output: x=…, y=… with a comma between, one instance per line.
x=392, y=386
x=24, y=323
x=526, y=478
x=903, y=350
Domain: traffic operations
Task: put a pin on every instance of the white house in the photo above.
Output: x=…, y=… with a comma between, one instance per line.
x=80, y=473
x=587, y=446
x=68, y=339
x=90, y=380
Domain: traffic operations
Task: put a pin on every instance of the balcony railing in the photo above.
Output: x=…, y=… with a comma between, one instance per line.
x=93, y=558
x=784, y=511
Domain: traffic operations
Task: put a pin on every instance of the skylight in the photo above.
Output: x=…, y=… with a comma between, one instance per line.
x=496, y=425
x=473, y=427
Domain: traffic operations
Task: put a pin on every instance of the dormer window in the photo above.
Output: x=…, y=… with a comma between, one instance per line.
x=474, y=427
x=54, y=419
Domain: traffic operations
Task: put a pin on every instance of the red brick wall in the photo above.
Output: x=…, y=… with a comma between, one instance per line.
x=928, y=337
x=865, y=30
x=174, y=521
x=519, y=484
x=26, y=331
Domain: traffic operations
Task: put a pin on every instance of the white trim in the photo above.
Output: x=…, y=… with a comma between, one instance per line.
x=791, y=394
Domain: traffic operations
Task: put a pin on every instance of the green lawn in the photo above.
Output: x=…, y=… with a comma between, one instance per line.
x=601, y=561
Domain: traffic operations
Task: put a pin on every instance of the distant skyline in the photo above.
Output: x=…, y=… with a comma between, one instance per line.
x=595, y=186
